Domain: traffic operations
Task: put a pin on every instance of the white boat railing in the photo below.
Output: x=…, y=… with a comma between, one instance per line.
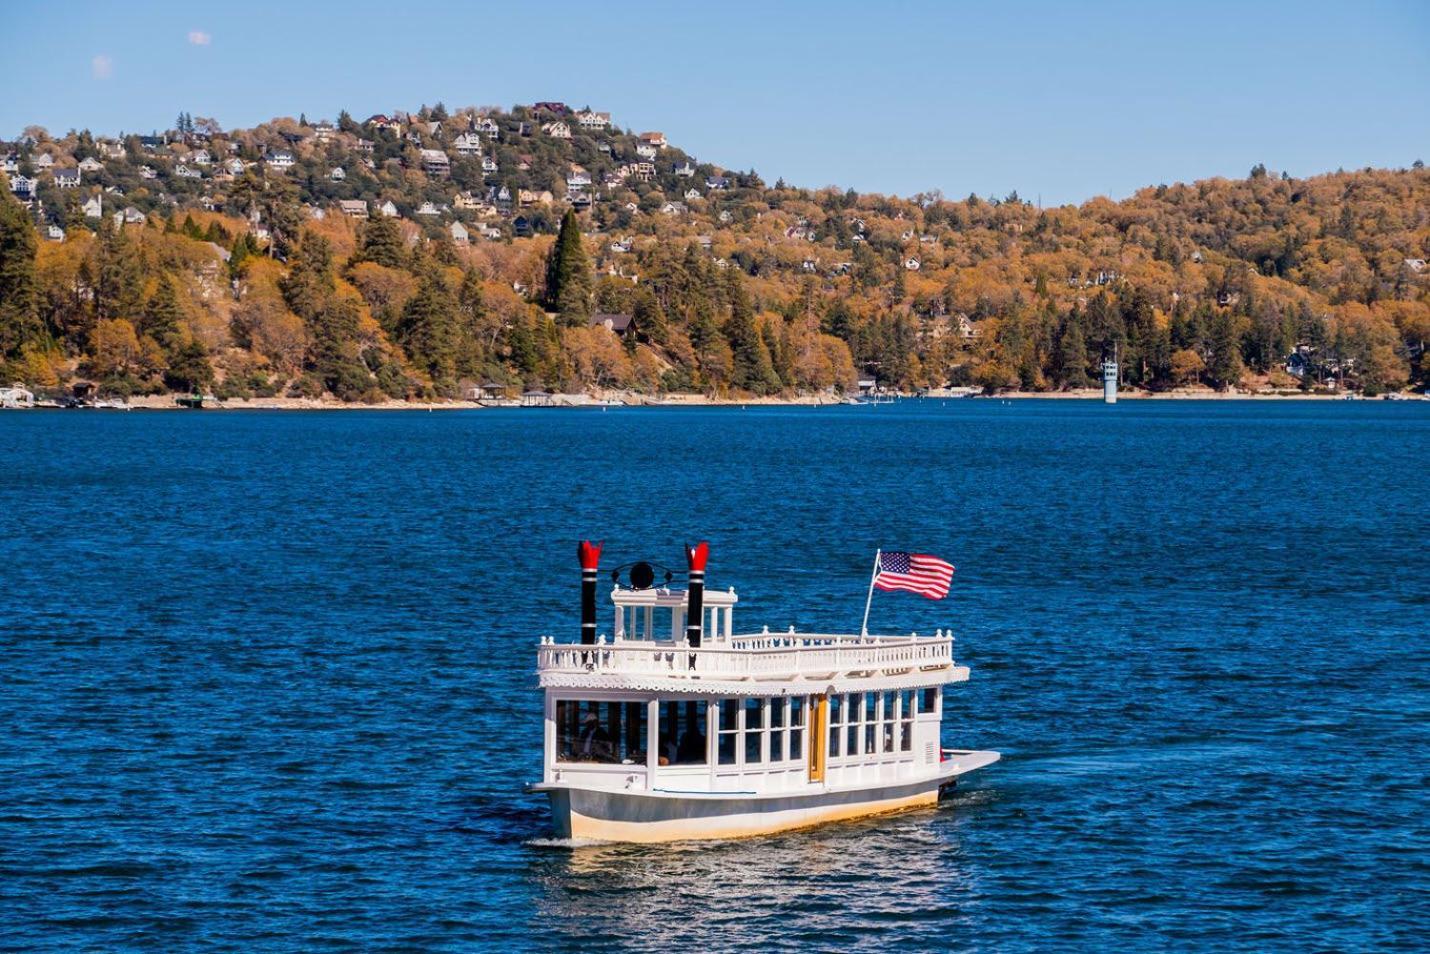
x=749, y=656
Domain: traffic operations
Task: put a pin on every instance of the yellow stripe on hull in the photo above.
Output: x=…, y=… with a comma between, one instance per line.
x=739, y=826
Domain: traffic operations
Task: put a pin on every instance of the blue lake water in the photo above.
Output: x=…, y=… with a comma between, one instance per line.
x=268, y=676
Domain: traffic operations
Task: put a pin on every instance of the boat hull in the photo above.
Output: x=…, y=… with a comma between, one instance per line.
x=660, y=816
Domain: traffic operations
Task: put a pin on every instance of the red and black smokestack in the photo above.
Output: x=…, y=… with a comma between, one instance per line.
x=695, y=558
x=590, y=554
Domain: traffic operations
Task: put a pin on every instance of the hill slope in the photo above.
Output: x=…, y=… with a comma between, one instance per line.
x=261, y=262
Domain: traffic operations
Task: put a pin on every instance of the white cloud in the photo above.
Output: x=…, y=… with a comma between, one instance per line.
x=199, y=38
x=102, y=67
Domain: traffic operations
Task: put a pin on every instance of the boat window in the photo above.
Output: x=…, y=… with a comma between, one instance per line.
x=796, y=727
x=855, y=714
x=729, y=731
x=929, y=701
x=906, y=720
x=611, y=732
x=777, y=729
x=754, y=730
x=886, y=723
x=836, y=724
x=682, y=733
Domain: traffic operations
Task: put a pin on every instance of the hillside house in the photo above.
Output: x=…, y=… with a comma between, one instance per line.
x=556, y=130
x=201, y=157
x=912, y=264
x=488, y=127
x=692, y=193
x=10, y=164
x=90, y=164
x=435, y=162
x=468, y=144
x=528, y=197
x=67, y=178
x=130, y=216
x=616, y=323
x=683, y=169
x=110, y=149
x=381, y=121
x=656, y=139
x=186, y=172
x=459, y=233
x=388, y=209
x=725, y=217
x=354, y=208
x=336, y=174
x=54, y=233
x=644, y=171
x=234, y=166
x=550, y=106
x=93, y=207
x=364, y=145
x=44, y=161
x=646, y=151
x=588, y=119
x=578, y=180
x=717, y=182
x=1416, y=265
x=521, y=227
x=282, y=160
x=620, y=246
x=489, y=164
x=324, y=131
x=465, y=201
x=428, y=209
x=673, y=209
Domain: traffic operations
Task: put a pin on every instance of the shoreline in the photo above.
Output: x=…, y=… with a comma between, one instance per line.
x=168, y=402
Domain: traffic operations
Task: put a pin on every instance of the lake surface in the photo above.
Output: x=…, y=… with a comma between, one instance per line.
x=268, y=676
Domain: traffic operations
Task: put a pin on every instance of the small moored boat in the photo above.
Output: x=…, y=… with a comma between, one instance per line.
x=680, y=728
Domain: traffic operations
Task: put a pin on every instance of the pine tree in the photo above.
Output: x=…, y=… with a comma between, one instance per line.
x=568, y=274
x=309, y=284
x=162, y=314
x=648, y=317
x=19, y=296
x=752, y=370
x=118, y=291
x=1071, y=363
x=428, y=330
x=382, y=243
x=1225, y=364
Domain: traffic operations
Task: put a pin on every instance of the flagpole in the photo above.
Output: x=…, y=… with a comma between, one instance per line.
x=869, y=600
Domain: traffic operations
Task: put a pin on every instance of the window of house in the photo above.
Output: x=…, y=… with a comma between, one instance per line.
x=610, y=732
x=682, y=732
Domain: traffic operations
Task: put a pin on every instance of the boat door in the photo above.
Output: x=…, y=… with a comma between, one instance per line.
x=818, y=737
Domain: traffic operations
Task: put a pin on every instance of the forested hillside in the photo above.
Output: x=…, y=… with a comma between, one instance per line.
x=415, y=255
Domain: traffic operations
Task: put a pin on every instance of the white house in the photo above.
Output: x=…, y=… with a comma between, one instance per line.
x=684, y=169
x=912, y=264
x=646, y=151
x=54, y=233
x=692, y=193
x=90, y=164
x=556, y=130
x=44, y=161
x=468, y=144
x=489, y=164
x=324, y=131
x=337, y=174
x=67, y=178
x=201, y=158
x=388, y=209
x=459, y=233
x=488, y=127
x=281, y=160
x=234, y=166
x=354, y=208
x=184, y=172
x=593, y=120
x=656, y=139
x=673, y=208
x=427, y=208
x=93, y=207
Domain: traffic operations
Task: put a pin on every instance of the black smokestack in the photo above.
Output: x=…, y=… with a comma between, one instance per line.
x=590, y=555
x=695, y=558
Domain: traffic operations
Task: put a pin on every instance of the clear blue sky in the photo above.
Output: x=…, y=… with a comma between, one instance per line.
x=1057, y=99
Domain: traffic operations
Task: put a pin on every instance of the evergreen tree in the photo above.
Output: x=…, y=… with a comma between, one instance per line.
x=1225, y=364
x=162, y=314
x=382, y=243
x=568, y=274
x=753, y=370
x=649, y=317
x=189, y=368
x=1071, y=356
x=118, y=290
x=428, y=330
x=309, y=283
x=19, y=295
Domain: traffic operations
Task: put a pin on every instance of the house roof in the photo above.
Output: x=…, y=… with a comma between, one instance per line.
x=615, y=321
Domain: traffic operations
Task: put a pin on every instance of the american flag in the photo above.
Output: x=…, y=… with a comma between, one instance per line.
x=916, y=572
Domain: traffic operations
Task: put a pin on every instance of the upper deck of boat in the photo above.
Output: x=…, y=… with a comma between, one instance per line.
x=647, y=653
